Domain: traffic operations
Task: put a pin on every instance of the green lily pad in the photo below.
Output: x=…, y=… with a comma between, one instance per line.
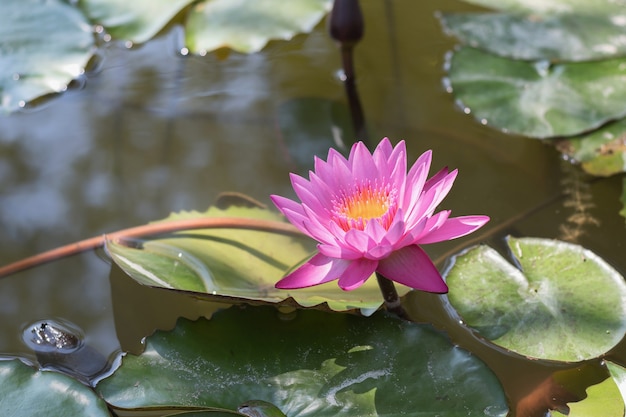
x=137, y=21
x=247, y=25
x=25, y=391
x=556, y=37
x=603, y=400
x=601, y=152
x=43, y=47
x=538, y=99
x=562, y=303
x=618, y=374
x=316, y=364
x=236, y=263
x=552, y=6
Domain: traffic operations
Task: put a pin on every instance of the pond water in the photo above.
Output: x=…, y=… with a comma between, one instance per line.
x=149, y=131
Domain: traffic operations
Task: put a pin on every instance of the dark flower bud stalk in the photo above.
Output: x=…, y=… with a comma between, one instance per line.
x=346, y=27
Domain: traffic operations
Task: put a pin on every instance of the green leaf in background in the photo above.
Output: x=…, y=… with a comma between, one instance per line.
x=137, y=20
x=43, y=47
x=247, y=25
x=237, y=263
x=538, y=99
x=563, y=303
x=316, y=364
x=603, y=400
x=25, y=391
x=618, y=374
x=601, y=152
x=554, y=37
x=553, y=6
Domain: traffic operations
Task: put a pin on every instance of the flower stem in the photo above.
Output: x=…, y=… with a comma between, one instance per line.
x=392, y=301
x=151, y=229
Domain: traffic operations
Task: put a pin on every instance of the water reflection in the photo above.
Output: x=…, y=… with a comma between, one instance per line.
x=153, y=131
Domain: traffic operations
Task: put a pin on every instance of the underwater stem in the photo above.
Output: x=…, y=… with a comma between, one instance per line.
x=392, y=301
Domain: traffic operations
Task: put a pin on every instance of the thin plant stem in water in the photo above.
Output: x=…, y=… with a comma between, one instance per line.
x=152, y=229
x=390, y=295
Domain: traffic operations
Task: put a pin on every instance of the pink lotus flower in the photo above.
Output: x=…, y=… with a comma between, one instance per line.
x=370, y=215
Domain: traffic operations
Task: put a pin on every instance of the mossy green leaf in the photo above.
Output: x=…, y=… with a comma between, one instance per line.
x=314, y=364
x=538, y=99
x=247, y=25
x=555, y=301
x=25, y=391
x=43, y=47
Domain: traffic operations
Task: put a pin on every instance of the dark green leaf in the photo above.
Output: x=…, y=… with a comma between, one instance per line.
x=25, y=391
x=316, y=364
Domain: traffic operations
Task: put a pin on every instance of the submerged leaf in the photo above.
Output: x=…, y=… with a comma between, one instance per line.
x=43, y=47
x=316, y=364
x=247, y=25
x=236, y=263
x=538, y=99
x=25, y=391
x=563, y=303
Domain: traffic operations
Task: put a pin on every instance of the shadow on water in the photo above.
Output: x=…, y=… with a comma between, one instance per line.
x=154, y=132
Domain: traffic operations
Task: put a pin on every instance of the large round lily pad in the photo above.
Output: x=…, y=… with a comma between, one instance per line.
x=315, y=364
x=43, y=47
x=556, y=301
x=538, y=99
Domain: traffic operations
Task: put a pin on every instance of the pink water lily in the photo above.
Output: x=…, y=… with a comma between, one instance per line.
x=369, y=215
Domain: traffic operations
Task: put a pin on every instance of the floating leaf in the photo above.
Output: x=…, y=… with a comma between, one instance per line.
x=137, y=21
x=603, y=400
x=618, y=374
x=611, y=7
x=538, y=99
x=601, y=152
x=237, y=263
x=43, y=47
x=247, y=25
x=25, y=391
x=555, y=37
x=316, y=364
x=563, y=303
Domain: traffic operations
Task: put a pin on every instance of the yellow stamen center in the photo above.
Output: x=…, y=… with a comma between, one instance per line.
x=355, y=209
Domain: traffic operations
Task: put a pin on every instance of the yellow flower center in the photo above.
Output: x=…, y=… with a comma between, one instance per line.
x=353, y=210
x=365, y=204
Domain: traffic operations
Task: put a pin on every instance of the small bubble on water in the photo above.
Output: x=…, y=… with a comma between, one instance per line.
x=98, y=29
x=483, y=122
x=16, y=76
x=184, y=51
x=22, y=104
x=467, y=110
x=107, y=37
x=341, y=76
x=128, y=44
